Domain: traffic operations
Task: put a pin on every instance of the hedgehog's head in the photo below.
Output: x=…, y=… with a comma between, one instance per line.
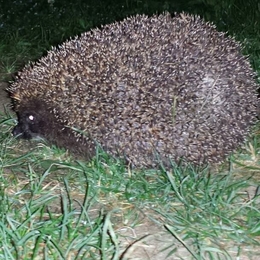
x=35, y=120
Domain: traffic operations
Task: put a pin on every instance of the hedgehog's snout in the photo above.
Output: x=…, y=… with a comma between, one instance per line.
x=19, y=131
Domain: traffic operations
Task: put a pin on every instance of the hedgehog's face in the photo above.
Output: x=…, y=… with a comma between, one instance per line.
x=34, y=120
x=29, y=125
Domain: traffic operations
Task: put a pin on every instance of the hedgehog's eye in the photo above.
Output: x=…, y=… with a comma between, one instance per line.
x=31, y=119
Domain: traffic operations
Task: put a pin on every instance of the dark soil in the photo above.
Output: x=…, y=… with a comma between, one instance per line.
x=5, y=101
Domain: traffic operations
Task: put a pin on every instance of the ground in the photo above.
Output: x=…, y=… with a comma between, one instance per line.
x=4, y=99
x=148, y=239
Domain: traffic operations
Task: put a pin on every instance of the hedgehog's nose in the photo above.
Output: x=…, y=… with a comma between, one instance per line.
x=17, y=131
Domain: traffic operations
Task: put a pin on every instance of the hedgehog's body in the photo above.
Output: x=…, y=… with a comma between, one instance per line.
x=145, y=88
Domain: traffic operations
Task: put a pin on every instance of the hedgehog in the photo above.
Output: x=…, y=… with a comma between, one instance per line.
x=148, y=89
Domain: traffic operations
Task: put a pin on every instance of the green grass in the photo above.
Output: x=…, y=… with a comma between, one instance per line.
x=56, y=207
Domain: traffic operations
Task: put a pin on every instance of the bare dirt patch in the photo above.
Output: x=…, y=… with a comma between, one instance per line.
x=149, y=241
